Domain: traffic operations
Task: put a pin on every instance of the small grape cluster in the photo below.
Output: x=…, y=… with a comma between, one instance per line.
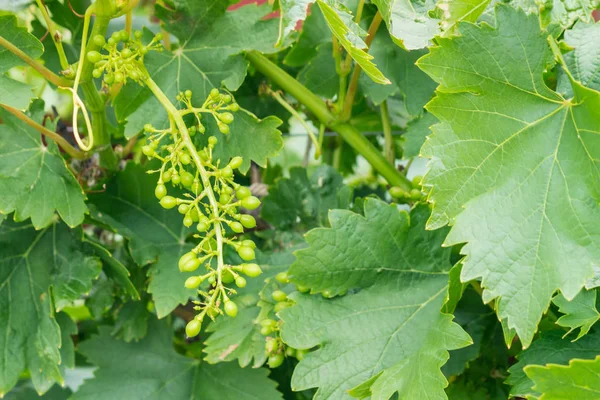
x=414, y=195
x=122, y=62
x=275, y=348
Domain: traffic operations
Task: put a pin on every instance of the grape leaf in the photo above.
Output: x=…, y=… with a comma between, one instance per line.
x=550, y=348
x=132, y=321
x=580, y=312
x=408, y=21
x=155, y=235
x=298, y=201
x=25, y=391
x=348, y=33
x=251, y=138
x=291, y=12
x=209, y=56
x=14, y=93
x=584, y=60
x=579, y=380
x=416, y=133
x=151, y=369
x=415, y=87
x=34, y=179
x=314, y=33
x=517, y=179
x=561, y=12
x=455, y=11
x=319, y=74
x=388, y=337
x=19, y=37
x=31, y=262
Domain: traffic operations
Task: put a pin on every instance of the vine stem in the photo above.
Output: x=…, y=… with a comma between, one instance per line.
x=62, y=142
x=319, y=108
x=175, y=115
x=45, y=72
x=387, y=133
x=56, y=36
x=353, y=86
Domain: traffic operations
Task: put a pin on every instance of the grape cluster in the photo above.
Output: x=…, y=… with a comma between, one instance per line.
x=414, y=195
x=122, y=61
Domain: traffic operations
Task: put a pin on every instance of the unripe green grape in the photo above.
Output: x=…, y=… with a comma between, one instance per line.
x=228, y=190
x=93, y=56
x=201, y=128
x=166, y=176
x=137, y=34
x=96, y=73
x=398, y=192
x=234, y=107
x=270, y=345
x=223, y=128
x=249, y=243
x=159, y=36
x=193, y=282
x=279, y=296
x=250, y=203
x=109, y=78
x=160, y=191
x=187, y=179
x=212, y=140
x=242, y=192
x=214, y=93
x=212, y=312
x=101, y=63
x=185, y=158
x=187, y=221
x=246, y=253
x=290, y=352
x=236, y=227
x=251, y=270
x=192, y=131
x=230, y=308
x=185, y=258
x=226, y=98
x=99, y=40
x=415, y=194
x=183, y=208
x=236, y=162
x=248, y=221
x=176, y=179
x=300, y=354
x=126, y=53
x=240, y=282
x=193, y=328
x=202, y=226
x=327, y=294
x=135, y=75
x=212, y=279
x=124, y=35
x=227, y=276
x=265, y=330
x=280, y=306
x=227, y=172
x=148, y=128
x=143, y=50
x=224, y=198
x=190, y=266
x=194, y=214
x=268, y=322
x=168, y=202
x=147, y=150
x=204, y=155
x=226, y=117
x=282, y=277
x=188, y=94
x=120, y=62
x=302, y=289
x=196, y=186
x=416, y=181
x=119, y=77
x=275, y=360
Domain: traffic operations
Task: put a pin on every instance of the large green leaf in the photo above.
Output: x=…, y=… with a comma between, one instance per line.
x=388, y=337
x=579, y=380
x=151, y=369
x=580, y=312
x=208, y=56
x=550, y=348
x=34, y=179
x=18, y=36
x=303, y=201
x=314, y=33
x=155, y=235
x=408, y=21
x=319, y=74
x=31, y=262
x=514, y=167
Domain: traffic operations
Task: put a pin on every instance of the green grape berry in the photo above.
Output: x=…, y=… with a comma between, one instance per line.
x=226, y=117
x=97, y=73
x=109, y=78
x=190, y=266
x=148, y=128
x=251, y=270
x=223, y=128
x=416, y=181
x=227, y=276
x=227, y=172
x=300, y=354
x=214, y=93
x=124, y=35
x=415, y=194
x=119, y=77
x=185, y=158
x=236, y=162
x=168, y=202
x=187, y=179
x=193, y=328
x=279, y=295
x=302, y=289
x=137, y=34
x=148, y=150
x=271, y=323
x=188, y=221
x=251, y=203
x=236, y=227
x=175, y=178
x=193, y=282
x=99, y=40
x=202, y=226
x=290, y=352
x=126, y=53
x=240, y=282
x=280, y=306
x=265, y=330
x=159, y=36
x=234, y=107
x=166, y=176
x=248, y=221
x=242, y=192
x=188, y=94
x=224, y=198
x=230, y=308
x=398, y=192
x=160, y=191
x=282, y=277
x=246, y=253
x=275, y=360
x=183, y=209
x=270, y=345
x=249, y=243
x=226, y=98
x=93, y=56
